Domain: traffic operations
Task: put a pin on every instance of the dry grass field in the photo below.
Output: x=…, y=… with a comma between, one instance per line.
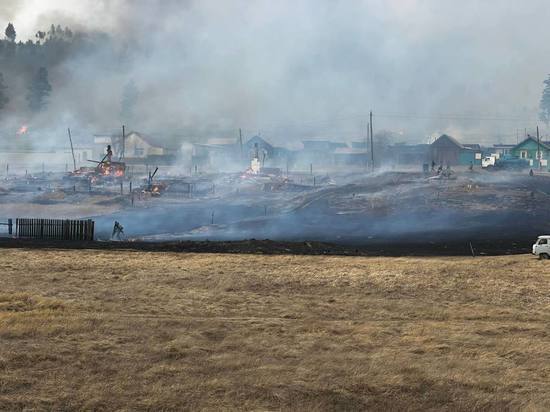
x=93, y=330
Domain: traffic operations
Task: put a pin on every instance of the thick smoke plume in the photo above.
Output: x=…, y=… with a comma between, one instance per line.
x=291, y=69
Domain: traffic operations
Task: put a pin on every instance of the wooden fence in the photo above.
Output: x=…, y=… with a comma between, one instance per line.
x=55, y=229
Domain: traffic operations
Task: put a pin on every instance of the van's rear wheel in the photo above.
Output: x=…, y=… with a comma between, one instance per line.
x=544, y=256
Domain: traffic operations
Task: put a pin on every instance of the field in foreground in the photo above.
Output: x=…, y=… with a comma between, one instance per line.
x=167, y=331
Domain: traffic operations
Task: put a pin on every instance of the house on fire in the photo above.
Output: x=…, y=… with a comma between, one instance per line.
x=446, y=150
x=228, y=153
x=270, y=155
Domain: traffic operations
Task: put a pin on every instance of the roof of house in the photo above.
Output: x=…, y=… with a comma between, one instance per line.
x=260, y=141
x=349, y=151
x=443, y=137
x=155, y=140
x=446, y=137
x=545, y=145
x=504, y=146
x=222, y=141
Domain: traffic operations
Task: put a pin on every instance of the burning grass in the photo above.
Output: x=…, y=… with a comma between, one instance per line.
x=166, y=331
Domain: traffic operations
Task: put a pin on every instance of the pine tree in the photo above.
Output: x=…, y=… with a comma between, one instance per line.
x=544, y=114
x=3, y=97
x=39, y=90
x=10, y=32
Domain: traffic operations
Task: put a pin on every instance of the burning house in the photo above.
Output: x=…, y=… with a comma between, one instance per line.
x=229, y=153
x=269, y=155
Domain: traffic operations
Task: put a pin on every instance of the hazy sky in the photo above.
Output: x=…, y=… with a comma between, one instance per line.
x=315, y=67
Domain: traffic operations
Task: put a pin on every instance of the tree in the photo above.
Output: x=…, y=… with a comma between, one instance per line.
x=3, y=97
x=39, y=90
x=544, y=105
x=130, y=95
x=10, y=32
x=40, y=35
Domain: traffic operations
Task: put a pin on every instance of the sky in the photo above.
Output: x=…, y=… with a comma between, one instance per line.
x=315, y=68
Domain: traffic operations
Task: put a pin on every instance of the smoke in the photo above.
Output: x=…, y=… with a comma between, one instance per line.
x=298, y=69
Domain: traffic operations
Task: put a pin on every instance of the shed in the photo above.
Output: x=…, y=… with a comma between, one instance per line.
x=446, y=150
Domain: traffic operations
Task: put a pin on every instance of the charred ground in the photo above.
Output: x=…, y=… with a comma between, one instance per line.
x=395, y=213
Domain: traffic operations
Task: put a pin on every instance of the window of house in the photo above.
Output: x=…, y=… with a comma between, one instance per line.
x=523, y=154
x=540, y=154
x=138, y=152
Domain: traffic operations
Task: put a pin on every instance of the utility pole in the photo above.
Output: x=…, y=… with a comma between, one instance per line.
x=539, y=157
x=123, y=143
x=241, y=142
x=72, y=149
x=371, y=142
x=366, y=147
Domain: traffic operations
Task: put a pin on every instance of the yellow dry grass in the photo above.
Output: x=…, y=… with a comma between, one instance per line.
x=92, y=330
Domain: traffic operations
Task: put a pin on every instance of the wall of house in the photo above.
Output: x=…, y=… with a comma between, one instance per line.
x=528, y=150
x=468, y=157
x=351, y=159
x=445, y=154
x=136, y=147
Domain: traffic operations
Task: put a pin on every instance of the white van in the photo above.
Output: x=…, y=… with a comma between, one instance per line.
x=541, y=248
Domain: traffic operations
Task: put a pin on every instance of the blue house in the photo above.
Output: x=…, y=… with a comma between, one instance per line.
x=535, y=151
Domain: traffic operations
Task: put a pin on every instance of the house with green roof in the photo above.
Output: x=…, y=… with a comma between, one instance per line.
x=534, y=151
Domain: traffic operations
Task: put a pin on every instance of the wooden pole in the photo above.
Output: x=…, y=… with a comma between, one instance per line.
x=241, y=143
x=371, y=142
x=72, y=148
x=367, y=146
x=122, y=154
x=538, y=148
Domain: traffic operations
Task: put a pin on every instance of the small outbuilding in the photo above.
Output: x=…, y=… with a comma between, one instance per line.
x=446, y=150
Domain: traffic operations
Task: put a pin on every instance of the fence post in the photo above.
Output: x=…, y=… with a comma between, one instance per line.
x=10, y=227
